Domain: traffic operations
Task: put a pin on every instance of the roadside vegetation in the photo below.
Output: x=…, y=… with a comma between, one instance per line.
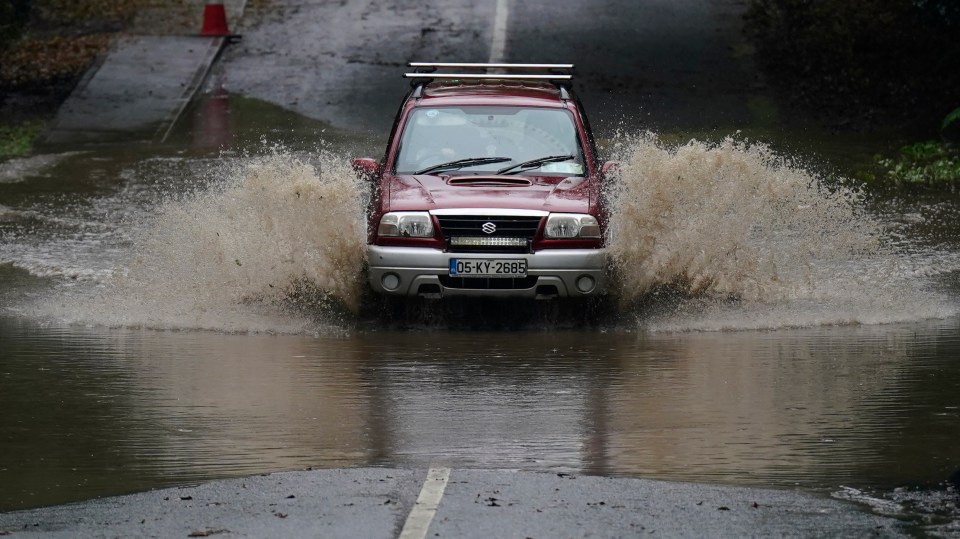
x=17, y=139
x=860, y=65
x=45, y=47
x=930, y=164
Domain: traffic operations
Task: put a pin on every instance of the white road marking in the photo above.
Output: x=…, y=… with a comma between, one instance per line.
x=499, y=44
x=418, y=521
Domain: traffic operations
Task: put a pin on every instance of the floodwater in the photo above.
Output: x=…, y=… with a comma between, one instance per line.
x=170, y=314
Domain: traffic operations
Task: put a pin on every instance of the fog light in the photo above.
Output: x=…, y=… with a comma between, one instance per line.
x=390, y=281
x=585, y=283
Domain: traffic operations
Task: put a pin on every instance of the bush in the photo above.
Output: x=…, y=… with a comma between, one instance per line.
x=928, y=164
x=16, y=140
x=860, y=62
x=13, y=16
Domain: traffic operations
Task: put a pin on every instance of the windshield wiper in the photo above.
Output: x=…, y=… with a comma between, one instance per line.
x=460, y=163
x=534, y=163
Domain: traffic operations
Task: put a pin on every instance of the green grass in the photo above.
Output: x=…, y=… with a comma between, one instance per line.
x=17, y=140
x=929, y=164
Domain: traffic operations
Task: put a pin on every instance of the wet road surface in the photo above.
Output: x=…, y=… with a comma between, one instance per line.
x=655, y=64
x=380, y=502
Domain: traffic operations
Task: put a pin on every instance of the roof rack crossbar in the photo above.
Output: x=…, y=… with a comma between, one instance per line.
x=487, y=76
x=490, y=71
x=424, y=72
x=470, y=65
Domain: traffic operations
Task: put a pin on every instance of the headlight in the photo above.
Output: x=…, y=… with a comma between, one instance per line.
x=571, y=225
x=406, y=224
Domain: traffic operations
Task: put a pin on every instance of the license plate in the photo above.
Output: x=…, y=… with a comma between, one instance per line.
x=487, y=267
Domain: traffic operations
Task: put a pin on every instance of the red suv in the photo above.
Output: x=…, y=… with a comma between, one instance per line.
x=490, y=186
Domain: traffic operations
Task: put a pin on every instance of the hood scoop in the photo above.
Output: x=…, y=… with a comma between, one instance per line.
x=489, y=181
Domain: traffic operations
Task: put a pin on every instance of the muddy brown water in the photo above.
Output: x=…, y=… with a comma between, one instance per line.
x=160, y=324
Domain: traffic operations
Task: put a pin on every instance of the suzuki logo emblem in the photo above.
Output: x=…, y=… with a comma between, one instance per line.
x=489, y=227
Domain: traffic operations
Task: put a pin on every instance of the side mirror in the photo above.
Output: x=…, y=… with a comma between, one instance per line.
x=609, y=168
x=366, y=167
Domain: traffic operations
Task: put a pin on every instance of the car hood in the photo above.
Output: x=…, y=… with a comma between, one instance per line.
x=547, y=193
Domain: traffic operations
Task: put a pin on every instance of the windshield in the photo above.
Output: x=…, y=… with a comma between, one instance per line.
x=438, y=135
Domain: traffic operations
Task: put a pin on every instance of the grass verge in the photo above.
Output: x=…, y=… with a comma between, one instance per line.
x=16, y=140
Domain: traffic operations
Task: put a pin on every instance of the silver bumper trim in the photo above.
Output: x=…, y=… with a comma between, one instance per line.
x=415, y=267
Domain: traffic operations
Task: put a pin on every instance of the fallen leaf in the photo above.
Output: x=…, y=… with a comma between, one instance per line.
x=206, y=532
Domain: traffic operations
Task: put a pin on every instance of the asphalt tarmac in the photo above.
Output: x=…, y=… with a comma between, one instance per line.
x=413, y=504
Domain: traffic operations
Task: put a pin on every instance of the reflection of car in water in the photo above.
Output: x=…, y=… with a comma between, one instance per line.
x=490, y=186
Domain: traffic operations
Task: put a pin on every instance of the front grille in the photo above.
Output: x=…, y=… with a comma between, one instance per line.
x=472, y=225
x=483, y=283
x=478, y=226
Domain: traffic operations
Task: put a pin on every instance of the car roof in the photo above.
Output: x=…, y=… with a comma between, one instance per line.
x=491, y=92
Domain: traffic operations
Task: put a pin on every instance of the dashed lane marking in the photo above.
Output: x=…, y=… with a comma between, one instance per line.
x=498, y=46
x=418, y=521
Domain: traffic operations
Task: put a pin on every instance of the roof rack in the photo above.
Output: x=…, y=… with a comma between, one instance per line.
x=427, y=70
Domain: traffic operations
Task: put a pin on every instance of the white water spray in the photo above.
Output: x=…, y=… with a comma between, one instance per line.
x=749, y=240
x=279, y=243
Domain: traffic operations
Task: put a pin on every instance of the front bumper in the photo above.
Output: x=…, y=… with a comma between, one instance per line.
x=419, y=271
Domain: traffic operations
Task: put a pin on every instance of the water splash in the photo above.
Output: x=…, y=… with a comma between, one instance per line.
x=19, y=169
x=277, y=246
x=702, y=237
x=733, y=236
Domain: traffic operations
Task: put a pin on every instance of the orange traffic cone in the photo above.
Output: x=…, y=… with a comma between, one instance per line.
x=214, y=20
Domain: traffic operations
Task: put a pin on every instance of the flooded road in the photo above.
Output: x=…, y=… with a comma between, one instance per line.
x=96, y=411
x=148, y=341
x=175, y=313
